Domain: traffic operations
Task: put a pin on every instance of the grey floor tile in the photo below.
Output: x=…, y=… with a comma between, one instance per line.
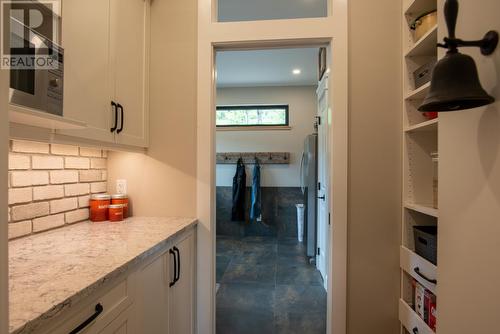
x=230, y=321
x=258, y=273
x=297, y=274
x=300, y=298
x=247, y=296
x=300, y=323
x=222, y=262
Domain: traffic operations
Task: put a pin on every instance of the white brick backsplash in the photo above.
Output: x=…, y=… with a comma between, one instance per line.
x=47, y=162
x=76, y=163
x=63, y=149
x=62, y=205
x=90, y=152
x=48, y=192
x=63, y=176
x=50, y=185
x=19, y=161
x=83, y=201
x=29, y=211
x=90, y=175
x=20, y=195
x=29, y=178
x=20, y=229
x=98, y=163
x=29, y=147
x=76, y=189
x=46, y=223
x=77, y=216
x=98, y=187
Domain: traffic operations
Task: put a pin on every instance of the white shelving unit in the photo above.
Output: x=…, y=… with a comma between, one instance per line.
x=420, y=137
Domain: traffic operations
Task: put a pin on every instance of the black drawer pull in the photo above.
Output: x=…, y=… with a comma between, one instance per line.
x=175, y=268
x=115, y=108
x=417, y=271
x=122, y=118
x=178, y=264
x=98, y=311
x=415, y=330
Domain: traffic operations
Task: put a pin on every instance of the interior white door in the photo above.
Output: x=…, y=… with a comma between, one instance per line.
x=322, y=190
x=129, y=31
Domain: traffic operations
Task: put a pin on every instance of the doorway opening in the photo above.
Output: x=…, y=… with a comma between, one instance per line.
x=272, y=188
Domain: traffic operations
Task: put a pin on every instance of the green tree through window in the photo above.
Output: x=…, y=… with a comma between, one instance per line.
x=256, y=115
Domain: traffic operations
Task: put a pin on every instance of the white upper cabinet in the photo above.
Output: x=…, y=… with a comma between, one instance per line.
x=86, y=42
x=106, y=46
x=129, y=53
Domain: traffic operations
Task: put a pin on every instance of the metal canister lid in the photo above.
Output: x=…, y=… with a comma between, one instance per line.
x=115, y=206
x=119, y=196
x=100, y=197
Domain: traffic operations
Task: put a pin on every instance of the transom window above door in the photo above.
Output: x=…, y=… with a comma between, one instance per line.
x=252, y=116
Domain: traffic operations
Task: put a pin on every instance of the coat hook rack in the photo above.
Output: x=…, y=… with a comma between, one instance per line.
x=264, y=158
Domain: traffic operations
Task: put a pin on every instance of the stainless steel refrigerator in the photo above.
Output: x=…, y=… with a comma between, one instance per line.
x=309, y=184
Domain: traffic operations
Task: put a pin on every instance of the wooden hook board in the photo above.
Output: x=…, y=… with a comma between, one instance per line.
x=264, y=158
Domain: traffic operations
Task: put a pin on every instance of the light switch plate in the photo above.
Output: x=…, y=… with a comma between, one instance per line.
x=121, y=186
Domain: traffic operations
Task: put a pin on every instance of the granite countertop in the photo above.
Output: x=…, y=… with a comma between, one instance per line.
x=49, y=272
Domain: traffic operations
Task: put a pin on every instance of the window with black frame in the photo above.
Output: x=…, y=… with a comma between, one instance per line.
x=252, y=116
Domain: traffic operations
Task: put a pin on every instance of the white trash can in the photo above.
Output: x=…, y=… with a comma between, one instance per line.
x=300, y=222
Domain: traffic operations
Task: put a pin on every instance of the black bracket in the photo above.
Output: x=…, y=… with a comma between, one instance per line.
x=487, y=45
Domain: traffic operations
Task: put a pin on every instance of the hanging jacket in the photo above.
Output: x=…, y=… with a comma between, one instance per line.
x=239, y=187
x=255, y=210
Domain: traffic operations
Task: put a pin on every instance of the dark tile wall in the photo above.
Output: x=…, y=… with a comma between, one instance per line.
x=279, y=214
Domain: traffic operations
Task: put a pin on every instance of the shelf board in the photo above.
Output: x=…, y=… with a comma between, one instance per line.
x=426, y=210
x=427, y=126
x=425, y=46
x=27, y=116
x=409, y=260
x=419, y=7
x=410, y=319
x=419, y=93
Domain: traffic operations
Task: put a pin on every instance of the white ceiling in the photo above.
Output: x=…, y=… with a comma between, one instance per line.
x=248, y=10
x=267, y=67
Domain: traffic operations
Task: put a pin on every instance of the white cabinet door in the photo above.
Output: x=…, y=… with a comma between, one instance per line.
x=85, y=39
x=182, y=292
x=129, y=24
x=153, y=295
x=123, y=324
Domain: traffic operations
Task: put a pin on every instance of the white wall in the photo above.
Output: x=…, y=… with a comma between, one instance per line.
x=469, y=199
x=302, y=109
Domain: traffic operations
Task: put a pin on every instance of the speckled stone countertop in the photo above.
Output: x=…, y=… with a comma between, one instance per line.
x=51, y=271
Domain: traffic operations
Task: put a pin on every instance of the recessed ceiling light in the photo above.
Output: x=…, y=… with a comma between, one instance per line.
x=297, y=71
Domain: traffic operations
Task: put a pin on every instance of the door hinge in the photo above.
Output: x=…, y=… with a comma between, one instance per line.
x=319, y=119
x=318, y=251
x=319, y=185
x=329, y=218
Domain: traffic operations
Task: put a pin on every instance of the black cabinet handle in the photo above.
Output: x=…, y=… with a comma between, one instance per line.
x=178, y=264
x=417, y=271
x=98, y=311
x=122, y=118
x=175, y=268
x=415, y=330
x=115, y=108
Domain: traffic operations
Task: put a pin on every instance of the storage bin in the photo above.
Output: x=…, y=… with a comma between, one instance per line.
x=424, y=24
x=423, y=74
x=426, y=242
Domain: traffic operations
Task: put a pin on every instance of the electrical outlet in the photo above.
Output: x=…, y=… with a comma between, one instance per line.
x=121, y=186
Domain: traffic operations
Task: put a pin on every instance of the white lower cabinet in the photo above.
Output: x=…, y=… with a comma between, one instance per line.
x=155, y=297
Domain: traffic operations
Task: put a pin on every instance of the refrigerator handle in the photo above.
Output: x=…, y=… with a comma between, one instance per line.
x=302, y=186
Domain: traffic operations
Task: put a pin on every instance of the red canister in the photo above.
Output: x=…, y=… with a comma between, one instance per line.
x=115, y=212
x=123, y=200
x=99, y=207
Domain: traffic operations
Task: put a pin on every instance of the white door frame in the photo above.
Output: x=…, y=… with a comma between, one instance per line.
x=212, y=36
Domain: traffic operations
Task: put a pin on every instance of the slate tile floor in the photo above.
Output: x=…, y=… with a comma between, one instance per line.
x=267, y=286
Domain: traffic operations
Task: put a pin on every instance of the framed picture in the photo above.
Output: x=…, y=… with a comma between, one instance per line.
x=321, y=63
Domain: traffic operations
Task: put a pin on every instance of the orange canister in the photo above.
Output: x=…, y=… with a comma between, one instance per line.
x=115, y=212
x=99, y=207
x=123, y=200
